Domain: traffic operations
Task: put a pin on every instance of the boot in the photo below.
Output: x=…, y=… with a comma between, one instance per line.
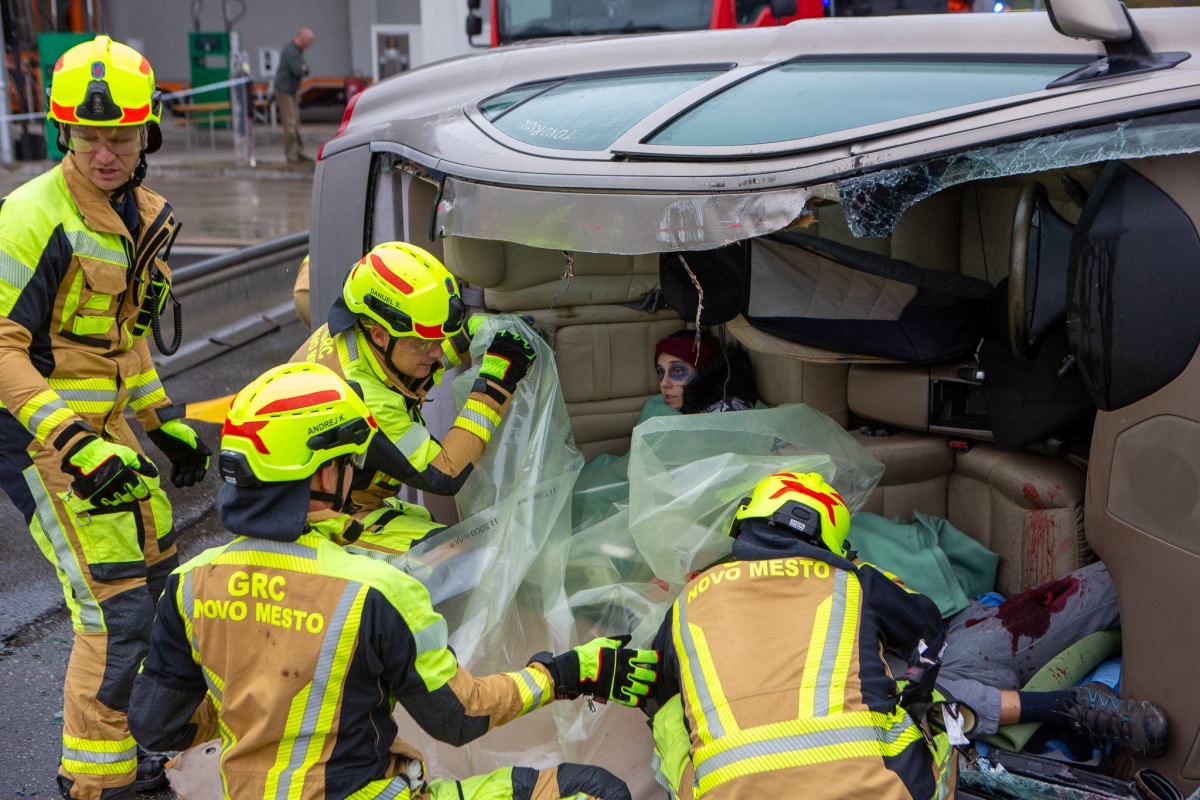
x=151, y=770
x=1138, y=726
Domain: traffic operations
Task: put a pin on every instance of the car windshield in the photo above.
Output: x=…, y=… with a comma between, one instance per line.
x=803, y=99
x=535, y=19
x=587, y=113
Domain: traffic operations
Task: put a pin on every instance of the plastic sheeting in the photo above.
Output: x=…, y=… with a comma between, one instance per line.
x=623, y=223
x=874, y=203
x=512, y=578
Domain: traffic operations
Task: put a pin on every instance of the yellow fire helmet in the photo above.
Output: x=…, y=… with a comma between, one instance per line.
x=104, y=83
x=803, y=503
x=403, y=288
x=288, y=422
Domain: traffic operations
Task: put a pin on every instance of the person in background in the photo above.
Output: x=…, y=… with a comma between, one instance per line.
x=297, y=651
x=698, y=376
x=288, y=74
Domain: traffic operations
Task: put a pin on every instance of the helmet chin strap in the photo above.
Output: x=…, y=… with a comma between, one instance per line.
x=135, y=180
x=339, y=501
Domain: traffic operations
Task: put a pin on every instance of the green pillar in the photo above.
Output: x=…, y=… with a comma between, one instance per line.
x=50, y=47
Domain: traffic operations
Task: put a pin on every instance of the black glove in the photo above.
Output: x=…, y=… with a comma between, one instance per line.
x=106, y=473
x=605, y=669
x=507, y=360
x=187, y=453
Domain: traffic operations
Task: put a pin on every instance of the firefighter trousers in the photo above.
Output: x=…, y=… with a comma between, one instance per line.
x=112, y=563
x=509, y=783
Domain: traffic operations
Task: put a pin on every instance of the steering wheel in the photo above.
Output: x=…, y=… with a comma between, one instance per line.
x=1018, y=258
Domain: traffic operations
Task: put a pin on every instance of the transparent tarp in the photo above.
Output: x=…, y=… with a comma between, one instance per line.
x=874, y=203
x=613, y=222
x=512, y=579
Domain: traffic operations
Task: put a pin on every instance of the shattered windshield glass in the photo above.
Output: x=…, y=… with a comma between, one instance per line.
x=874, y=203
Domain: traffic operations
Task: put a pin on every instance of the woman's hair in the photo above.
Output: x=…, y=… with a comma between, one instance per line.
x=683, y=345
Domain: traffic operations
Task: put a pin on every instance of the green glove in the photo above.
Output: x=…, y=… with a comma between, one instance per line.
x=182, y=446
x=473, y=324
x=507, y=360
x=106, y=473
x=604, y=668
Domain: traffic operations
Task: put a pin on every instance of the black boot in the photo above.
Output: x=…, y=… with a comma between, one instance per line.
x=151, y=770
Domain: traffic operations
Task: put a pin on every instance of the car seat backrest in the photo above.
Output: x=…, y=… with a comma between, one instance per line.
x=602, y=346
x=1026, y=506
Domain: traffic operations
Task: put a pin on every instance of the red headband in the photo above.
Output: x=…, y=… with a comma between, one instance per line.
x=684, y=348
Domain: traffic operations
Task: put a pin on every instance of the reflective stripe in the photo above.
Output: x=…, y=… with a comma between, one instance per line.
x=287, y=549
x=803, y=742
x=98, y=756
x=474, y=428
x=351, y=340
x=391, y=789
x=829, y=647
x=13, y=272
x=412, y=440
x=85, y=610
x=84, y=245
x=482, y=409
x=144, y=389
x=694, y=677
x=323, y=695
x=45, y=412
x=529, y=686
x=432, y=637
x=89, y=396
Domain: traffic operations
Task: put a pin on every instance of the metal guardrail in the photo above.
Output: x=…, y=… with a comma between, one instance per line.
x=232, y=299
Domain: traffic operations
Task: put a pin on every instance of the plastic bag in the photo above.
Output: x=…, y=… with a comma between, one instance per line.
x=512, y=579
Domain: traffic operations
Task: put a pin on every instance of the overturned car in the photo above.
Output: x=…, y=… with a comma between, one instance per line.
x=970, y=240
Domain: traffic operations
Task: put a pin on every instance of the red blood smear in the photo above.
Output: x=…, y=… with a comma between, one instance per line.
x=1028, y=613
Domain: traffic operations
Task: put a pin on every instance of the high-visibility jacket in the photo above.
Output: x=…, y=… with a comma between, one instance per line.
x=72, y=286
x=409, y=454
x=304, y=650
x=775, y=663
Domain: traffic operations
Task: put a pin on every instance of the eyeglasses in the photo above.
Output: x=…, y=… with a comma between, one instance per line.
x=122, y=142
x=415, y=346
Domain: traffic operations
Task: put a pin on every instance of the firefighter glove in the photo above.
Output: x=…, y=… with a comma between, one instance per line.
x=187, y=453
x=106, y=473
x=603, y=668
x=507, y=360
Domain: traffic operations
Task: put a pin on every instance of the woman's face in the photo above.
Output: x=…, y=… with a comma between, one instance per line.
x=673, y=375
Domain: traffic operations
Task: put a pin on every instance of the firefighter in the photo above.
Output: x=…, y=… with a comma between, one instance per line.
x=399, y=316
x=303, y=649
x=80, y=287
x=816, y=709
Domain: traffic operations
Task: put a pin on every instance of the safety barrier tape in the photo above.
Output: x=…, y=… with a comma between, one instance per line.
x=169, y=96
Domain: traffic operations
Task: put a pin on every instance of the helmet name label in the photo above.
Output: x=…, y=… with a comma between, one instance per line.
x=774, y=568
x=329, y=423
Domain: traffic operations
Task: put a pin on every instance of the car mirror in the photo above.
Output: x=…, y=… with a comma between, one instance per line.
x=1090, y=19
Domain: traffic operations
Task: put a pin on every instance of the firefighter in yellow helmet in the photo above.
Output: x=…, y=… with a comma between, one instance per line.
x=81, y=286
x=817, y=708
x=304, y=649
x=399, y=319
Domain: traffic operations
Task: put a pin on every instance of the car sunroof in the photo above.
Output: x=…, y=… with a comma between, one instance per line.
x=585, y=113
x=802, y=99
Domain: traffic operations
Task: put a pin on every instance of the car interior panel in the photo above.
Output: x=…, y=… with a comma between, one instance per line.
x=998, y=438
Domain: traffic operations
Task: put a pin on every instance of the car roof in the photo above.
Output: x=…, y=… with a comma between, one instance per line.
x=431, y=117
